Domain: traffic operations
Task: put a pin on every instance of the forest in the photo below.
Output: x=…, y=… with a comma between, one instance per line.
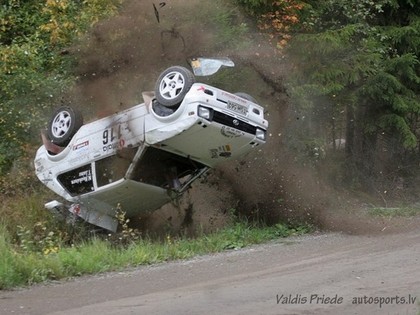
x=355, y=78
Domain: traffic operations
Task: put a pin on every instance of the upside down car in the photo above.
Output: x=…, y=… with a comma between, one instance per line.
x=142, y=158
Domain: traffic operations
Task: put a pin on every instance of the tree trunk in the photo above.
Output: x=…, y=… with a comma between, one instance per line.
x=350, y=130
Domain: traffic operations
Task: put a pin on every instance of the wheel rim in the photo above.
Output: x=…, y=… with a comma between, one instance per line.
x=172, y=85
x=61, y=124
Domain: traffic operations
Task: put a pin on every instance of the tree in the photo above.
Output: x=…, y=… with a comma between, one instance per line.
x=360, y=59
x=34, y=70
x=277, y=18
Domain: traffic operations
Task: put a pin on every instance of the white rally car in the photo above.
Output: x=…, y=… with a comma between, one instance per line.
x=141, y=158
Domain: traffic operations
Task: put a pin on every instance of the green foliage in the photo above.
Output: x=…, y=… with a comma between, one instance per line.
x=256, y=6
x=241, y=235
x=226, y=24
x=404, y=211
x=334, y=14
x=230, y=33
x=35, y=67
x=359, y=58
x=39, y=238
x=17, y=20
x=7, y=276
x=126, y=235
x=27, y=264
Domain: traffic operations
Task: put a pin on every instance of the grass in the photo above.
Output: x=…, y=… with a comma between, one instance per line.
x=19, y=267
x=404, y=211
x=34, y=247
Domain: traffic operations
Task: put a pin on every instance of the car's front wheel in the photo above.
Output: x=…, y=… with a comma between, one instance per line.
x=64, y=123
x=172, y=85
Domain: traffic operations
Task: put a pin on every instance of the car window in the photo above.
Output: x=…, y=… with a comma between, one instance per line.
x=113, y=168
x=152, y=168
x=161, y=168
x=78, y=181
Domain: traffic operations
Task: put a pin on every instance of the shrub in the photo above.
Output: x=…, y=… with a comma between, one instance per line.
x=35, y=68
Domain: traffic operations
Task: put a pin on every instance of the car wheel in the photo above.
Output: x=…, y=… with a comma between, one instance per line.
x=172, y=85
x=64, y=123
x=246, y=96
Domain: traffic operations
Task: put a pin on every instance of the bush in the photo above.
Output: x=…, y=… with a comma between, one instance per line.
x=35, y=67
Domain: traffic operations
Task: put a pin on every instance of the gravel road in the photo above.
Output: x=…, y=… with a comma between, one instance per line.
x=313, y=274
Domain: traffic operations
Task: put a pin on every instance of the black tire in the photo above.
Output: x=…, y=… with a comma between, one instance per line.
x=172, y=85
x=246, y=96
x=64, y=123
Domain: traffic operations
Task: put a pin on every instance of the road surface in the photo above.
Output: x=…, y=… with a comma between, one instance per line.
x=313, y=274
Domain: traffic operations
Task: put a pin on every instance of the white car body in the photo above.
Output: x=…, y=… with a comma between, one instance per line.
x=139, y=159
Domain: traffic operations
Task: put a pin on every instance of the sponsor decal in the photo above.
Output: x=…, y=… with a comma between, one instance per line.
x=84, y=177
x=230, y=132
x=110, y=147
x=81, y=145
x=77, y=181
x=222, y=151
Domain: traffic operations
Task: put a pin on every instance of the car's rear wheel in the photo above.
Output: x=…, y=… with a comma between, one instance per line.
x=172, y=85
x=64, y=123
x=246, y=96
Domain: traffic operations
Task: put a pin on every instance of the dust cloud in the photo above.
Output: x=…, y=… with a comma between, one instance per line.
x=124, y=55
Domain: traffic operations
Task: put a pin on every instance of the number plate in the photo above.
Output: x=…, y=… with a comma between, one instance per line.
x=237, y=108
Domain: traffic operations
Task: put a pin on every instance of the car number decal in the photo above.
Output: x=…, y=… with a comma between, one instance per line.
x=109, y=137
